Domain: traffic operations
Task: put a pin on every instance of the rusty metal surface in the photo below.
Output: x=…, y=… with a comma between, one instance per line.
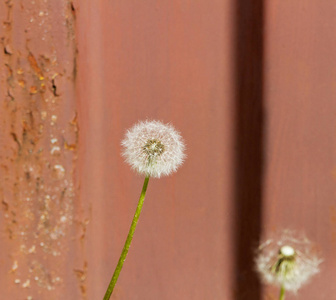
x=39, y=136
x=250, y=86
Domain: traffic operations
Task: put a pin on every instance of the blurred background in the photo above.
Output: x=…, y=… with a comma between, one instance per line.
x=250, y=85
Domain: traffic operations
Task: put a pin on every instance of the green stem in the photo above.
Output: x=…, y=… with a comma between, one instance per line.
x=127, y=243
x=282, y=293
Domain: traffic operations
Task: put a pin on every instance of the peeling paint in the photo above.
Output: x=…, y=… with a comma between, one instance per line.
x=39, y=141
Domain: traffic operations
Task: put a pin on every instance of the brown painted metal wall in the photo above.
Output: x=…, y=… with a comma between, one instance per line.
x=299, y=178
x=251, y=87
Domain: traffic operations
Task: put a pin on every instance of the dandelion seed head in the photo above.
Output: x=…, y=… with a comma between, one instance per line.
x=288, y=261
x=153, y=148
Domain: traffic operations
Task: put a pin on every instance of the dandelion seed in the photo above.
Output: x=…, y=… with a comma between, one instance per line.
x=153, y=148
x=288, y=262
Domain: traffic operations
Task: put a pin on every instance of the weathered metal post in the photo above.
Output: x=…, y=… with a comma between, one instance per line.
x=40, y=211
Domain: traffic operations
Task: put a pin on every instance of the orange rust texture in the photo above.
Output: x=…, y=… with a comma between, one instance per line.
x=40, y=215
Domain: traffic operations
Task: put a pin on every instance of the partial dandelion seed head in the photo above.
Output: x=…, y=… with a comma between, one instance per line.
x=287, y=261
x=153, y=148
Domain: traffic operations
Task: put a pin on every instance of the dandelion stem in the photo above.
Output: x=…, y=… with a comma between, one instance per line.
x=282, y=293
x=128, y=242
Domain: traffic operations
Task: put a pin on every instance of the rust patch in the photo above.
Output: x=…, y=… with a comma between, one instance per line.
x=38, y=146
x=34, y=66
x=81, y=275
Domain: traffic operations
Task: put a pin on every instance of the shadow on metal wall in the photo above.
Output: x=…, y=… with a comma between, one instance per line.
x=249, y=144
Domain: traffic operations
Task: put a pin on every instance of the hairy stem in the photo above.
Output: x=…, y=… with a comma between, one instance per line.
x=127, y=243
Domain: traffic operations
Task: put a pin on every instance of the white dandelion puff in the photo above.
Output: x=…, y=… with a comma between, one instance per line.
x=288, y=262
x=153, y=148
